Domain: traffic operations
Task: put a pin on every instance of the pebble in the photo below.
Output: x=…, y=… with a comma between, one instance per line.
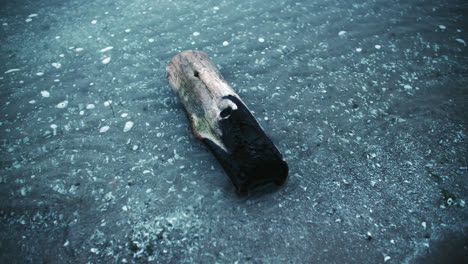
x=196, y=33
x=106, y=60
x=94, y=22
x=342, y=33
x=62, y=104
x=459, y=40
x=225, y=43
x=358, y=49
x=261, y=40
x=442, y=27
x=12, y=70
x=106, y=49
x=378, y=46
x=104, y=129
x=128, y=126
x=90, y=106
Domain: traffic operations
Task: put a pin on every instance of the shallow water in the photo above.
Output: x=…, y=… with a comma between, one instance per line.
x=366, y=101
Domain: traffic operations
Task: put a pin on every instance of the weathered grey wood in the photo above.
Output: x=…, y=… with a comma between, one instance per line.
x=220, y=119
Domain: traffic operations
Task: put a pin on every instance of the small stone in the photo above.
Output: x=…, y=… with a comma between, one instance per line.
x=104, y=129
x=62, y=104
x=106, y=60
x=128, y=126
x=45, y=94
x=225, y=43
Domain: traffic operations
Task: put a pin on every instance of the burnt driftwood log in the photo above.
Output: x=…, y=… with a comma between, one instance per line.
x=221, y=120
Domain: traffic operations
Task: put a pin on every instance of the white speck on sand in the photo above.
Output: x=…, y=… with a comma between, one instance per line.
x=261, y=40
x=5, y=24
x=128, y=126
x=358, y=49
x=45, y=94
x=28, y=20
x=23, y=191
x=151, y=40
x=225, y=43
x=127, y=30
x=33, y=15
x=78, y=49
x=407, y=87
x=57, y=65
x=62, y=104
x=66, y=243
x=106, y=49
x=104, y=129
x=81, y=112
x=378, y=46
x=442, y=27
x=196, y=33
x=148, y=190
x=459, y=40
x=108, y=102
x=54, y=129
x=135, y=147
x=341, y=33
x=90, y=106
x=216, y=8
x=124, y=115
x=12, y=70
x=106, y=60
x=125, y=208
x=387, y=258
x=32, y=101
x=94, y=22
x=424, y=225
x=39, y=73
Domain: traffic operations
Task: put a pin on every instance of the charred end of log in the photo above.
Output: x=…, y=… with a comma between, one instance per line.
x=251, y=158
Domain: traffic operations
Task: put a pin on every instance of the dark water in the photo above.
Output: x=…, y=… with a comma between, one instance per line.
x=366, y=100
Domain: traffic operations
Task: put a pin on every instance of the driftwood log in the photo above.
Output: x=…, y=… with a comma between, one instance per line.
x=221, y=120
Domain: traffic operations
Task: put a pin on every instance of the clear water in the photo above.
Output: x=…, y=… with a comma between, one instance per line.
x=366, y=100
